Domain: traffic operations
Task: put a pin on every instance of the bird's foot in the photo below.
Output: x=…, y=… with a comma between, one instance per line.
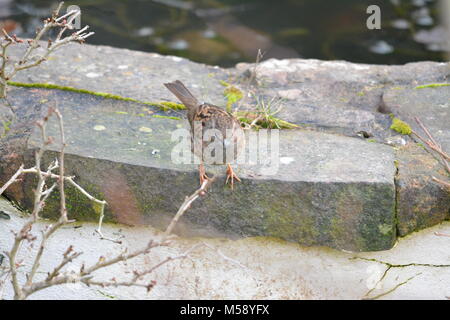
x=202, y=174
x=231, y=176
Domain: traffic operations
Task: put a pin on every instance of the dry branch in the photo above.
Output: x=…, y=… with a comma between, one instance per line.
x=32, y=59
x=187, y=204
x=432, y=144
x=85, y=274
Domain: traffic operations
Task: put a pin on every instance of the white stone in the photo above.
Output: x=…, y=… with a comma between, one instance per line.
x=274, y=269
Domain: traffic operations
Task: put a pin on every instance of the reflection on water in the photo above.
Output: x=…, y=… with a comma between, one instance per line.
x=225, y=32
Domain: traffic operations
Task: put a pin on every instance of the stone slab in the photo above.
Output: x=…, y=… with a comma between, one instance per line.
x=333, y=190
x=336, y=97
x=421, y=202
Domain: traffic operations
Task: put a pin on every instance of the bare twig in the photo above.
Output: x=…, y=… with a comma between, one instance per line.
x=253, y=75
x=251, y=80
x=432, y=144
x=187, y=204
x=29, y=59
x=12, y=179
x=444, y=183
x=436, y=147
x=61, y=168
x=442, y=234
x=139, y=275
x=85, y=274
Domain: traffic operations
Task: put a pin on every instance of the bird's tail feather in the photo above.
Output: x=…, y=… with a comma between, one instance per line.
x=182, y=93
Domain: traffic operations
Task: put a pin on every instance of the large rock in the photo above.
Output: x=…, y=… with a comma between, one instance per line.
x=332, y=188
x=329, y=190
x=421, y=201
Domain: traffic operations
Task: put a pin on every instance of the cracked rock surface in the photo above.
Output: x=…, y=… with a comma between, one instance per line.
x=275, y=269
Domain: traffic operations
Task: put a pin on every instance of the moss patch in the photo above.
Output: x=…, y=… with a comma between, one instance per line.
x=261, y=122
x=433, y=85
x=165, y=105
x=6, y=127
x=232, y=94
x=401, y=126
x=171, y=105
x=166, y=117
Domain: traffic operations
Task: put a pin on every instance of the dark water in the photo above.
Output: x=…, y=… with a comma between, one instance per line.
x=225, y=32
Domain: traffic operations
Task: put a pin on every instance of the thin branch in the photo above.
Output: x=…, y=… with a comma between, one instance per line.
x=85, y=274
x=12, y=179
x=68, y=257
x=442, y=234
x=29, y=58
x=446, y=184
x=138, y=275
x=432, y=144
x=63, y=210
x=187, y=204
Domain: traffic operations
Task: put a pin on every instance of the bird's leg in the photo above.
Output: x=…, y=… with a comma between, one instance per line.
x=231, y=176
x=202, y=173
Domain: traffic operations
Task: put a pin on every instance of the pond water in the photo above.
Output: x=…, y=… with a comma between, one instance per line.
x=225, y=32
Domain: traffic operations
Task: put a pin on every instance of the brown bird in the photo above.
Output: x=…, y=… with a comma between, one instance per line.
x=202, y=117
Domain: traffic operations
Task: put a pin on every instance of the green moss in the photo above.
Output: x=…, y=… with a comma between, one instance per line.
x=232, y=94
x=385, y=229
x=396, y=163
x=121, y=112
x=293, y=32
x=271, y=122
x=433, y=85
x=420, y=144
x=224, y=83
x=6, y=127
x=401, y=126
x=166, y=117
x=283, y=222
x=371, y=140
x=165, y=105
x=171, y=105
x=107, y=295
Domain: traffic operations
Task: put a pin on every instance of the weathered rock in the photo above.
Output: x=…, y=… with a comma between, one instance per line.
x=330, y=190
x=333, y=96
x=334, y=190
x=128, y=73
x=431, y=105
x=421, y=202
x=338, y=96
